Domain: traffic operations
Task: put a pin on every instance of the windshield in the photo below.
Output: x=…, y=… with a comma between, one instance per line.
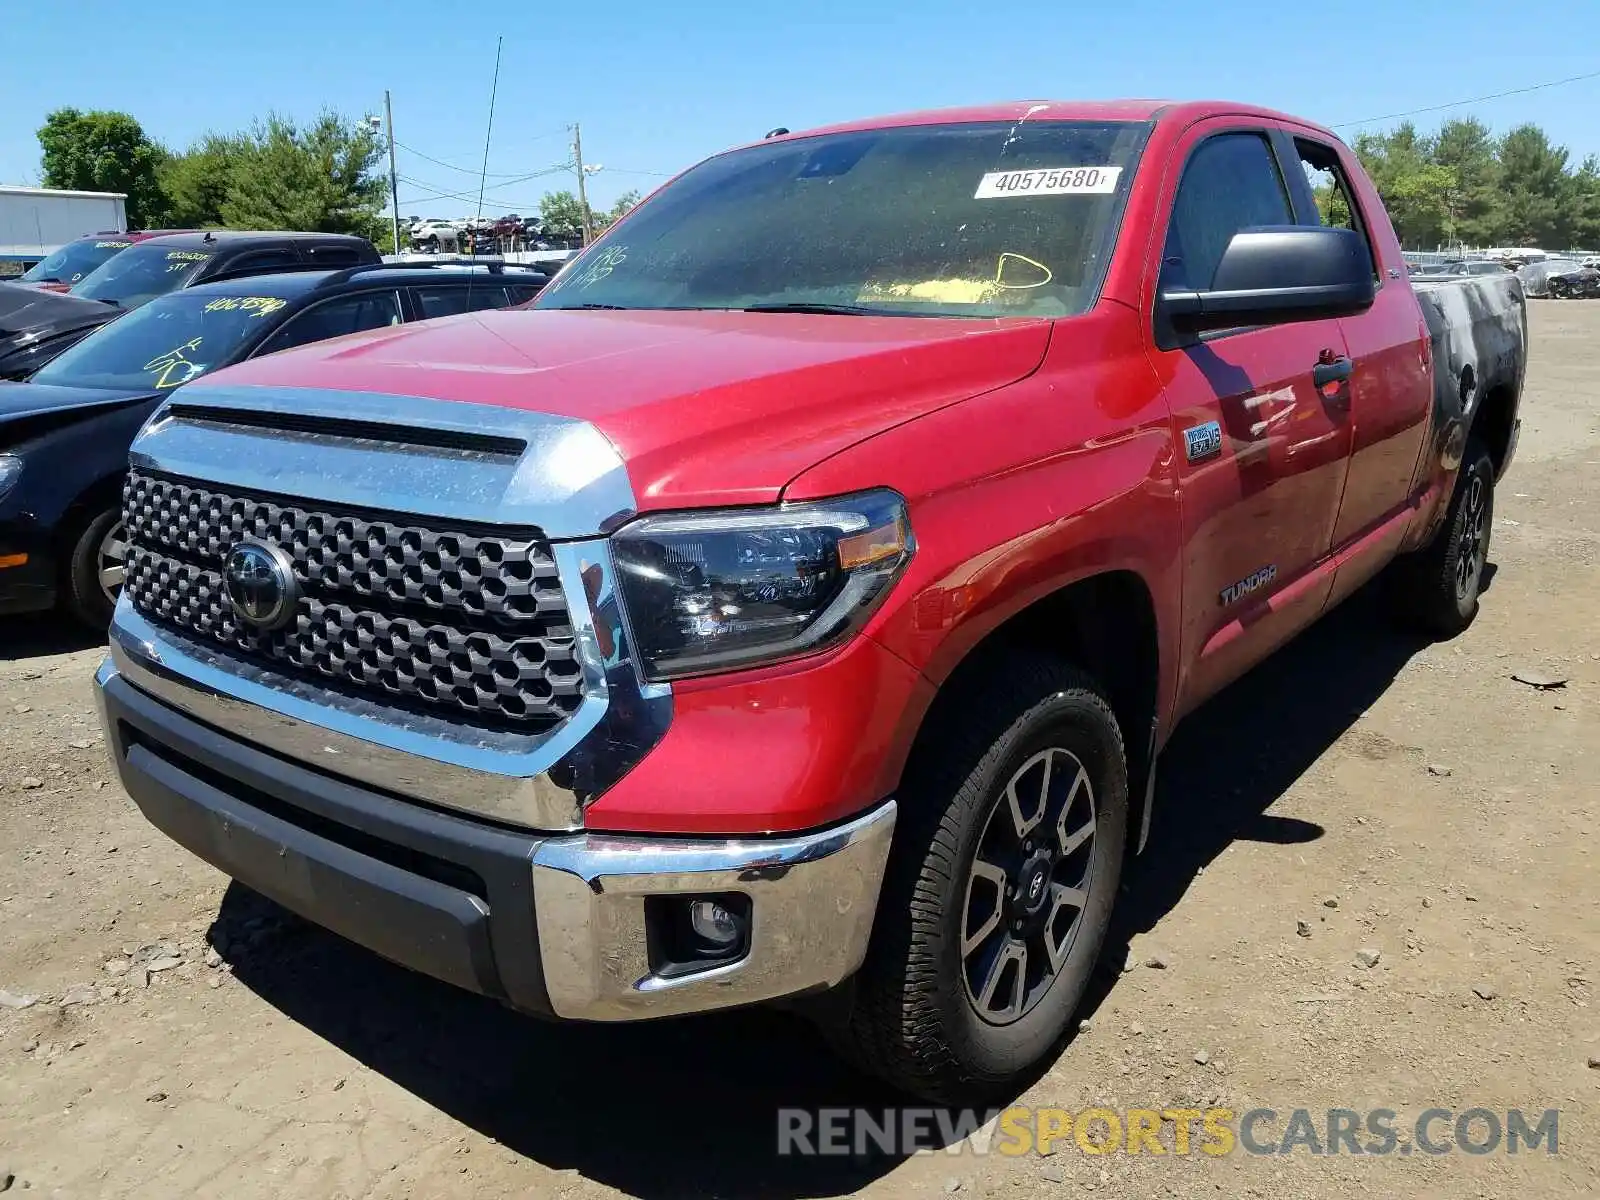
x=74, y=260
x=165, y=343
x=142, y=273
x=979, y=220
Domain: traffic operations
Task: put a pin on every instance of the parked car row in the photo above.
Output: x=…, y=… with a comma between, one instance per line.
x=494, y=235
x=64, y=434
x=1560, y=279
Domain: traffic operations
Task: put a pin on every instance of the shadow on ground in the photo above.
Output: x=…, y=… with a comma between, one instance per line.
x=38, y=634
x=689, y=1106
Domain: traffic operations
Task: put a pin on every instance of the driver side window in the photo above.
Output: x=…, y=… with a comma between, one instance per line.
x=334, y=318
x=1231, y=182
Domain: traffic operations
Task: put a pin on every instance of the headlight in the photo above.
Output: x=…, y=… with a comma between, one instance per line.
x=735, y=588
x=10, y=471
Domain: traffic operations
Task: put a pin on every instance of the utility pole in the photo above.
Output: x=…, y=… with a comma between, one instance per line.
x=394, y=178
x=583, y=194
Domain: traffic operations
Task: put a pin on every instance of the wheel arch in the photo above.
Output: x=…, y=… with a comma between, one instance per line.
x=1494, y=422
x=1106, y=624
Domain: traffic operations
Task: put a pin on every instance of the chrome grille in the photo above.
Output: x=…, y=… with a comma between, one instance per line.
x=470, y=623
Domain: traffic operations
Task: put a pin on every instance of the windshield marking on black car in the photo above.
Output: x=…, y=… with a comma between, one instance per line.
x=165, y=366
x=257, y=306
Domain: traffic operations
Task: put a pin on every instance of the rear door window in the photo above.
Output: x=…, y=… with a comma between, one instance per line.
x=259, y=262
x=1336, y=202
x=440, y=300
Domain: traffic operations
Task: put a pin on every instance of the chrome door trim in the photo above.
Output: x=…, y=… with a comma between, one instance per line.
x=538, y=781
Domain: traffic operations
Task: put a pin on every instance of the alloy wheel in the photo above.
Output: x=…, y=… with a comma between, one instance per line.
x=1470, y=552
x=1028, y=885
x=111, y=561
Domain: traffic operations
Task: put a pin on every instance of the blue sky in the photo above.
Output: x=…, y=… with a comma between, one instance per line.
x=657, y=86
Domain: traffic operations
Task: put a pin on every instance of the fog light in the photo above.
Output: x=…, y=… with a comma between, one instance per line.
x=714, y=925
x=685, y=934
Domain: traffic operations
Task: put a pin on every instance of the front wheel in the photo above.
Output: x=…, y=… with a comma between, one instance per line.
x=1013, y=821
x=95, y=569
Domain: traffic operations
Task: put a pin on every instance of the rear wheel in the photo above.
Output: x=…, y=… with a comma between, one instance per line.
x=1006, y=862
x=96, y=567
x=1436, y=588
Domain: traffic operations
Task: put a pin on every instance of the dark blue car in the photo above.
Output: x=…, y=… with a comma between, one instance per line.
x=64, y=434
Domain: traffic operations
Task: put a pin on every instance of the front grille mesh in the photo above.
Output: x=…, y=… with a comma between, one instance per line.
x=469, y=624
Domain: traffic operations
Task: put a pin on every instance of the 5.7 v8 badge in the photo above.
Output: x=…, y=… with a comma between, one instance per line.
x=1202, y=441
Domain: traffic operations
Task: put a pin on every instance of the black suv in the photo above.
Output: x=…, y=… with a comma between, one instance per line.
x=64, y=434
x=164, y=264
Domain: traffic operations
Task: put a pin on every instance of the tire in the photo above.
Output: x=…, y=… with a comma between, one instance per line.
x=1435, y=589
x=86, y=598
x=926, y=1018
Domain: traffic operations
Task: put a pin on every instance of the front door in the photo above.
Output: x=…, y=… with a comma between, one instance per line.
x=1262, y=448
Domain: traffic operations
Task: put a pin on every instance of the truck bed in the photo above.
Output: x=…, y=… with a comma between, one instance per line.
x=1478, y=326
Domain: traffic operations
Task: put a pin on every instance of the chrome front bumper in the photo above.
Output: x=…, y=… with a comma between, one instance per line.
x=812, y=901
x=557, y=925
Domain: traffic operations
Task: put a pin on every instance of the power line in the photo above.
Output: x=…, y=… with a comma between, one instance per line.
x=429, y=193
x=1535, y=87
x=473, y=171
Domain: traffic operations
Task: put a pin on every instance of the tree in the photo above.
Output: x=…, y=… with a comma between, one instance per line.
x=104, y=152
x=618, y=210
x=1415, y=190
x=560, y=214
x=197, y=182
x=1536, y=189
x=319, y=179
x=1466, y=147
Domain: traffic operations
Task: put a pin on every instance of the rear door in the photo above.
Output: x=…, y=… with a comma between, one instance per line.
x=1391, y=389
x=1262, y=449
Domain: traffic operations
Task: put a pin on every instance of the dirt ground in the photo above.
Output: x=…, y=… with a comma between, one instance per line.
x=1447, y=809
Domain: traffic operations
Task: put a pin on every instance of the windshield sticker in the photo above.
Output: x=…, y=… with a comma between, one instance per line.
x=1049, y=181
x=172, y=368
x=112, y=245
x=259, y=306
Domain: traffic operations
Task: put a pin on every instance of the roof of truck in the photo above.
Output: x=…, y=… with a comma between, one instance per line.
x=1183, y=111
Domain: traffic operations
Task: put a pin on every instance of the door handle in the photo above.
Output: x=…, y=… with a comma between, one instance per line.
x=1331, y=370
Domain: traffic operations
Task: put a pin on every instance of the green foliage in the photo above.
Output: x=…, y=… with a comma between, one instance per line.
x=104, y=152
x=561, y=214
x=318, y=179
x=196, y=183
x=1462, y=185
x=624, y=202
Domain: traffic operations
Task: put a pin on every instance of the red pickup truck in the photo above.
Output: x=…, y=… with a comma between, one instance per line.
x=794, y=603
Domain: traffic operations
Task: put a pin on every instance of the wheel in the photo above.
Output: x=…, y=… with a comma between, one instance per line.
x=1436, y=588
x=96, y=568
x=1006, y=862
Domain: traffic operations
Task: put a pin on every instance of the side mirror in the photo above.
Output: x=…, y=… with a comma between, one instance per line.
x=1280, y=273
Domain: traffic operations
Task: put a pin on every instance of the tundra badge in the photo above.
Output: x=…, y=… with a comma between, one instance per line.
x=1235, y=592
x=1202, y=441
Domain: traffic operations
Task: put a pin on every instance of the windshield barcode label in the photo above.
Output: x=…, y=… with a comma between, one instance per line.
x=1049, y=181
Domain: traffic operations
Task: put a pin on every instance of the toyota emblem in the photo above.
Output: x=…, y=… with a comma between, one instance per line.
x=259, y=581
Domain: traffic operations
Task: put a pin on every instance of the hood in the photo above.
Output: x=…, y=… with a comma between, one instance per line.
x=19, y=401
x=28, y=312
x=704, y=407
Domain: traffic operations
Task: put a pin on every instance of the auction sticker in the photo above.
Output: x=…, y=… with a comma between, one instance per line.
x=1049, y=181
